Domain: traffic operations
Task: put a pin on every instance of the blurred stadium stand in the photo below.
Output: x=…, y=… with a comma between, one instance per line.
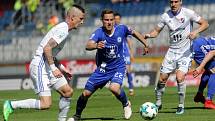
x=17, y=44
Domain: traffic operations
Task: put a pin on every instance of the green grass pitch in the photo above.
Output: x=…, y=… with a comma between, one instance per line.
x=103, y=106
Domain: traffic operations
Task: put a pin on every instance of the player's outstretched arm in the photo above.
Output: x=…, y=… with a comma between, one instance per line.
x=92, y=45
x=206, y=59
x=131, y=50
x=154, y=33
x=203, y=25
x=141, y=38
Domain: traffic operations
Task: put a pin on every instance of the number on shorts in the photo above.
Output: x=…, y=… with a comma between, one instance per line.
x=118, y=75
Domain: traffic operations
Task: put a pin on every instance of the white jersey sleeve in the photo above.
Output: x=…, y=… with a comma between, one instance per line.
x=193, y=15
x=180, y=26
x=60, y=32
x=161, y=22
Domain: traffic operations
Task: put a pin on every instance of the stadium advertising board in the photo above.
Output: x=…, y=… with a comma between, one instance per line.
x=16, y=82
x=144, y=75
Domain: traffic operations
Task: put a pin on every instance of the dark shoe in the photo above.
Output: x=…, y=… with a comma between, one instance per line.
x=209, y=104
x=159, y=107
x=179, y=110
x=199, y=98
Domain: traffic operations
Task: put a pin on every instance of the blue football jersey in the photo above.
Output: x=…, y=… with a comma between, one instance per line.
x=111, y=57
x=201, y=46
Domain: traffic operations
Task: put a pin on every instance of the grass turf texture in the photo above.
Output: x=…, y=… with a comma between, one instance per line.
x=104, y=106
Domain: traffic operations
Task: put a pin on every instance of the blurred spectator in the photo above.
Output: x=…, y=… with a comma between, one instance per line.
x=18, y=5
x=24, y=11
x=31, y=5
x=124, y=1
x=66, y=3
x=53, y=20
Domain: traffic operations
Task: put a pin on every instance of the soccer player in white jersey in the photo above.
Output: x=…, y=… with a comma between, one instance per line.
x=179, y=20
x=46, y=72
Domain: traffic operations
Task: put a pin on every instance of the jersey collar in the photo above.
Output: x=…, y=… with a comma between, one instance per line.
x=175, y=14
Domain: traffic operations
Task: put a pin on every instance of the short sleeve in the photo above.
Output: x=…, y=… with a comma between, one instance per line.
x=128, y=30
x=194, y=16
x=59, y=35
x=95, y=35
x=161, y=22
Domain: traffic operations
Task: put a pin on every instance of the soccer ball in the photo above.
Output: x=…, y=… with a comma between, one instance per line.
x=148, y=111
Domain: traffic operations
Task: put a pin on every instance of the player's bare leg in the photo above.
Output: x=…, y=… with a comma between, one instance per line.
x=44, y=102
x=159, y=89
x=116, y=89
x=181, y=91
x=64, y=104
x=81, y=104
x=130, y=80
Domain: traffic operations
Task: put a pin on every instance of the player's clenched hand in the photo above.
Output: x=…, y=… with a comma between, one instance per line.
x=68, y=74
x=57, y=73
x=196, y=72
x=146, y=36
x=100, y=45
x=146, y=50
x=192, y=35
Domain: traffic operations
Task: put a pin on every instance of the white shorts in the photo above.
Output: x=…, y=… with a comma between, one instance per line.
x=175, y=60
x=44, y=80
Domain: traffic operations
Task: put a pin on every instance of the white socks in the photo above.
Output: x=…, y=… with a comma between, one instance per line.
x=28, y=103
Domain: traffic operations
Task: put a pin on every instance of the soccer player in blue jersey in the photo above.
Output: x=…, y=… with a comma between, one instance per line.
x=108, y=41
x=128, y=56
x=204, y=53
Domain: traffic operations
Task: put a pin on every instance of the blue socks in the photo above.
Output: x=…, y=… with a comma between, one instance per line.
x=122, y=98
x=211, y=85
x=203, y=82
x=130, y=80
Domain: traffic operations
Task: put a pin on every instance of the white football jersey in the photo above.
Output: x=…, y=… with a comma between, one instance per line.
x=59, y=34
x=179, y=25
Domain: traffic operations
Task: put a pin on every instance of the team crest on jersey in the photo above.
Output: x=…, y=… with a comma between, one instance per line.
x=182, y=20
x=60, y=35
x=119, y=39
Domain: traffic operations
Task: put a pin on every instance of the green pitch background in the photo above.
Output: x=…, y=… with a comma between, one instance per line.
x=103, y=106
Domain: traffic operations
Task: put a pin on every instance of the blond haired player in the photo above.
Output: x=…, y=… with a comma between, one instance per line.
x=46, y=73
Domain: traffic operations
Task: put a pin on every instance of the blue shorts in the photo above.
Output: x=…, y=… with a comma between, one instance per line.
x=99, y=79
